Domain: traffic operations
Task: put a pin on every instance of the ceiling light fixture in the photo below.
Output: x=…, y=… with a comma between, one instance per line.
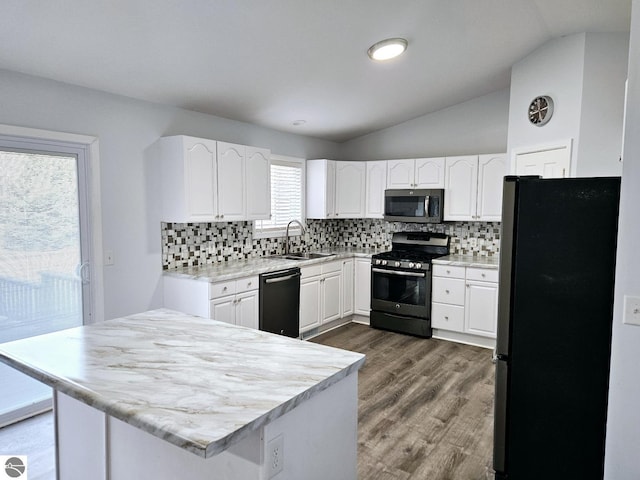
x=387, y=49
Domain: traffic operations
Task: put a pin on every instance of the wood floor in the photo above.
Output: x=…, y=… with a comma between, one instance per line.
x=425, y=410
x=425, y=406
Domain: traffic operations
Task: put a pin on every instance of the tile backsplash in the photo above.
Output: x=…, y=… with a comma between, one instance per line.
x=188, y=244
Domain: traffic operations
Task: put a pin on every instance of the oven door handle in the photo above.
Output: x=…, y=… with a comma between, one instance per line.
x=400, y=274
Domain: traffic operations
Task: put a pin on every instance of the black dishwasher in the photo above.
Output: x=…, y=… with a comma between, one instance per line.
x=280, y=302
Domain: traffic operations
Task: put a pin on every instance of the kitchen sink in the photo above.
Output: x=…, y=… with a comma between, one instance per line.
x=301, y=256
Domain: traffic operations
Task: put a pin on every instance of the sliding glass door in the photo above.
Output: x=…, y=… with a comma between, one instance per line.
x=43, y=273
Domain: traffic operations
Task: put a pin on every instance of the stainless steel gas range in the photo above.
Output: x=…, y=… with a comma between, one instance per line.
x=401, y=282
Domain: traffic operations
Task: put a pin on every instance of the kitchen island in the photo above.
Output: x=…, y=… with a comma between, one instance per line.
x=165, y=395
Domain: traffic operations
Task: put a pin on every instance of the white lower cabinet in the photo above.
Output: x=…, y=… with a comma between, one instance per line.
x=347, y=288
x=326, y=293
x=362, y=287
x=233, y=301
x=309, y=299
x=465, y=300
x=239, y=309
x=330, y=293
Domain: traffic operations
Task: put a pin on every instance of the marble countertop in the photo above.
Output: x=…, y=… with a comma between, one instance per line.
x=197, y=383
x=469, y=261
x=255, y=266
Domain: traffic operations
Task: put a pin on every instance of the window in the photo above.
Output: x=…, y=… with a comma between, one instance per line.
x=287, y=197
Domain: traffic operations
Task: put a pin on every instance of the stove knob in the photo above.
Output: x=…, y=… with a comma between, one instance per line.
x=377, y=262
x=411, y=264
x=418, y=265
x=384, y=262
x=397, y=264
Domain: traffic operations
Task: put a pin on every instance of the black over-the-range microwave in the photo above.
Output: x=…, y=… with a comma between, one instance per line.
x=417, y=205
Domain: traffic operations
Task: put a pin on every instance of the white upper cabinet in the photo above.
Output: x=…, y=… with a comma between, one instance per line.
x=400, y=173
x=416, y=173
x=461, y=188
x=491, y=172
x=473, y=187
x=429, y=172
x=320, y=188
x=188, y=171
x=209, y=181
x=376, y=185
x=231, y=193
x=258, y=183
x=350, y=189
x=335, y=189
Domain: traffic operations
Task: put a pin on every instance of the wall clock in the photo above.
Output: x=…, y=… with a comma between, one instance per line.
x=540, y=110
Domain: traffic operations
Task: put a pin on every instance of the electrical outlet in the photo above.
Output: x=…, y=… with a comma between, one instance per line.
x=275, y=456
x=631, y=315
x=473, y=242
x=108, y=257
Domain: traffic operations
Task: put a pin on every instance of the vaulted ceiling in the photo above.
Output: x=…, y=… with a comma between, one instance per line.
x=275, y=62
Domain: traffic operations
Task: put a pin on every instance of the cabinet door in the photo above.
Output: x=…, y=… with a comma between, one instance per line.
x=350, y=189
x=320, y=188
x=376, y=184
x=247, y=309
x=231, y=197
x=223, y=309
x=548, y=163
x=461, y=188
x=258, y=183
x=309, y=303
x=200, y=178
x=331, y=289
x=491, y=172
x=429, y=172
x=330, y=187
x=362, y=290
x=400, y=173
x=347, y=288
x=481, y=309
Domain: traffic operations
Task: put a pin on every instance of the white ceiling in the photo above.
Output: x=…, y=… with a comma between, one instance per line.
x=272, y=62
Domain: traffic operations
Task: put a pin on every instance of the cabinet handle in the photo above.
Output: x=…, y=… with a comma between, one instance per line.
x=468, y=285
x=482, y=275
x=224, y=289
x=447, y=292
x=221, y=216
x=249, y=284
x=448, y=271
x=446, y=318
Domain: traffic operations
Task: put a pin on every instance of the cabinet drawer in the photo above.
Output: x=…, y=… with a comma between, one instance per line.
x=447, y=317
x=221, y=289
x=448, y=271
x=482, y=274
x=247, y=284
x=311, y=271
x=448, y=290
x=330, y=267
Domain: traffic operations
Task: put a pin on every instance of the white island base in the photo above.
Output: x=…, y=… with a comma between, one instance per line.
x=319, y=441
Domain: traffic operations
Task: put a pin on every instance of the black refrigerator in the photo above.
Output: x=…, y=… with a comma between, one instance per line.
x=555, y=309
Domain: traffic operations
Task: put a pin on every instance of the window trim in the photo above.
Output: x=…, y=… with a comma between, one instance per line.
x=90, y=145
x=280, y=233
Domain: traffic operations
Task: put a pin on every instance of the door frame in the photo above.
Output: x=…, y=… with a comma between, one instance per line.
x=46, y=139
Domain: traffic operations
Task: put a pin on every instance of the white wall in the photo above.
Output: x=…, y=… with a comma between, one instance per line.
x=475, y=126
x=127, y=130
x=605, y=72
x=555, y=69
x=585, y=75
x=623, y=427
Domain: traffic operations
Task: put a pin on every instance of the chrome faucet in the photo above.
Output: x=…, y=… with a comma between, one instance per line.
x=286, y=240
